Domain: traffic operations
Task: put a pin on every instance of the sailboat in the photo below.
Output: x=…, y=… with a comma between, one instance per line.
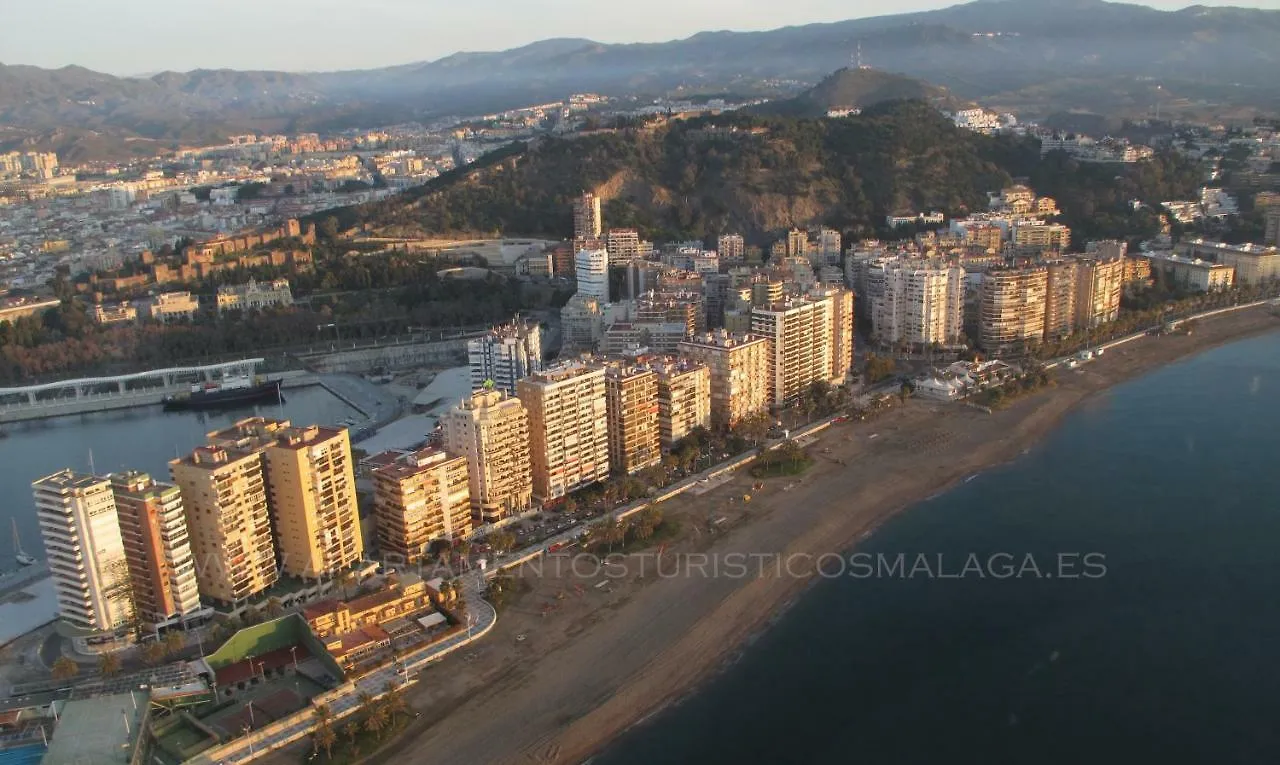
x=18, y=553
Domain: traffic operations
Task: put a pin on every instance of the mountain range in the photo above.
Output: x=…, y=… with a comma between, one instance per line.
x=1033, y=56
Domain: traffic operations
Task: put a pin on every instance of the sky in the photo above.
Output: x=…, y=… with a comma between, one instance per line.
x=132, y=37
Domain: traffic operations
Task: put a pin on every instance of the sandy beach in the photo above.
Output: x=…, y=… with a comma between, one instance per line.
x=588, y=652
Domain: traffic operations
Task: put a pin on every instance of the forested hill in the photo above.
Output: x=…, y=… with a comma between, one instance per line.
x=762, y=175
x=700, y=177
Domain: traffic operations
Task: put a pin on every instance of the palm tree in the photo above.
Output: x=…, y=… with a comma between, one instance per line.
x=109, y=664
x=394, y=701
x=375, y=720
x=324, y=737
x=64, y=669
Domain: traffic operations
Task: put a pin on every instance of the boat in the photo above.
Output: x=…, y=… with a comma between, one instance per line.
x=228, y=392
x=18, y=553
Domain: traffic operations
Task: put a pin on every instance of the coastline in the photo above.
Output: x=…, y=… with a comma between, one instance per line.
x=563, y=697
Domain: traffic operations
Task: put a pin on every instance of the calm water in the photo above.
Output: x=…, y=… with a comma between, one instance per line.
x=1170, y=657
x=144, y=438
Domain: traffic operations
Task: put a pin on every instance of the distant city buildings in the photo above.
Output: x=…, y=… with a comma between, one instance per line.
x=504, y=355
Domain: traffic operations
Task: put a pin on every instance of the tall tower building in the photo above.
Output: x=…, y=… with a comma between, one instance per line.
x=1098, y=291
x=153, y=528
x=631, y=397
x=842, y=328
x=1011, y=309
x=1061, y=286
x=311, y=492
x=419, y=498
x=797, y=243
x=915, y=302
x=491, y=430
x=568, y=428
x=81, y=532
x=799, y=334
x=224, y=494
x=587, y=220
x=591, y=267
x=738, y=366
x=506, y=354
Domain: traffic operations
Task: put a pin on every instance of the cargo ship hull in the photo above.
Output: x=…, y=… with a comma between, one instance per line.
x=267, y=392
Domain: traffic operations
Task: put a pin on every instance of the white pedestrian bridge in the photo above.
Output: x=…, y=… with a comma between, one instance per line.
x=98, y=393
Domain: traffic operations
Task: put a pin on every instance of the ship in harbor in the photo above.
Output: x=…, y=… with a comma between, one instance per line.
x=227, y=392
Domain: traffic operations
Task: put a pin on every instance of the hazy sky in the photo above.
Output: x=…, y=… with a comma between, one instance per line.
x=143, y=36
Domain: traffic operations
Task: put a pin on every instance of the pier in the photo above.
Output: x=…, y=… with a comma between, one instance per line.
x=99, y=394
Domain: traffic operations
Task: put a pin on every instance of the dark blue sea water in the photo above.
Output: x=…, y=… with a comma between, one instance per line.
x=1173, y=656
x=144, y=438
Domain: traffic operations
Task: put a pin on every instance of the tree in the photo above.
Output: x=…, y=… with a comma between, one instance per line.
x=324, y=736
x=109, y=664
x=394, y=701
x=174, y=642
x=754, y=428
x=502, y=541
x=64, y=669
x=153, y=653
x=375, y=720
x=274, y=608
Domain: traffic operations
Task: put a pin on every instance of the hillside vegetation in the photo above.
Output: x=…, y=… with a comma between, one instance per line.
x=734, y=173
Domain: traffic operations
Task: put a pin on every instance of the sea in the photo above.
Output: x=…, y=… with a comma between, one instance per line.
x=1144, y=629
x=142, y=438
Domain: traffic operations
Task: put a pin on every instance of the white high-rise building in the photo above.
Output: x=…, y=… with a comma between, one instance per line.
x=506, y=354
x=592, y=270
x=81, y=532
x=916, y=302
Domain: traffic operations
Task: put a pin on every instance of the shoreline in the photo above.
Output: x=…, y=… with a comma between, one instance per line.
x=621, y=665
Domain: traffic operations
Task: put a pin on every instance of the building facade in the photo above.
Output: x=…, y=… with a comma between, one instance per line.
x=915, y=302
x=419, y=498
x=738, y=368
x=162, y=568
x=506, y=354
x=631, y=398
x=1011, y=309
x=87, y=560
x=568, y=428
x=491, y=430
x=587, y=220
x=224, y=494
x=591, y=268
x=800, y=346
x=684, y=398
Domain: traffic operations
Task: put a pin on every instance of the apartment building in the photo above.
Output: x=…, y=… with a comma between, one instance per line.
x=1271, y=228
x=1191, y=273
x=684, y=398
x=631, y=398
x=591, y=268
x=224, y=495
x=799, y=334
x=491, y=430
x=87, y=559
x=1253, y=264
x=1099, y=287
x=731, y=248
x=1011, y=309
x=162, y=568
x=797, y=245
x=1035, y=236
x=587, y=220
x=738, y=369
x=254, y=296
x=1062, y=285
x=420, y=497
x=581, y=324
x=842, y=330
x=920, y=303
x=623, y=245
x=504, y=355
x=311, y=492
x=568, y=428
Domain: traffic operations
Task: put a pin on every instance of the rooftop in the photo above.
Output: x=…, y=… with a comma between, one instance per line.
x=102, y=731
x=66, y=479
